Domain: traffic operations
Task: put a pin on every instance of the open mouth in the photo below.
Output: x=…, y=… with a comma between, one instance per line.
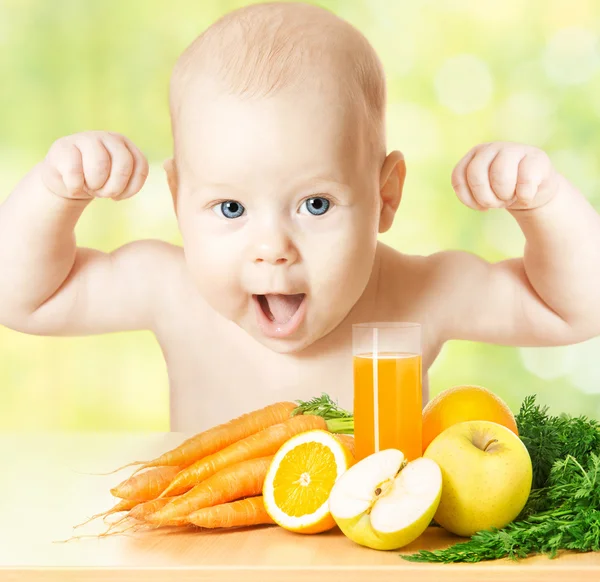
x=280, y=315
x=280, y=308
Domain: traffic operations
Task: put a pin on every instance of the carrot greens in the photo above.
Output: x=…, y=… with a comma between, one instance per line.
x=338, y=420
x=563, y=509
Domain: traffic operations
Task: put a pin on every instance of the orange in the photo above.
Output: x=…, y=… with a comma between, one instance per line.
x=297, y=486
x=463, y=403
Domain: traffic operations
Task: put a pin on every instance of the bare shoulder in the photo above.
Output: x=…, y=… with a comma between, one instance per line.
x=417, y=274
x=434, y=288
x=456, y=287
x=156, y=258
x=426, y=270
x=165, y=262
x=454, y=269
x=159, y=254
x=177, y=297
x=161, y=265
x=155, y=262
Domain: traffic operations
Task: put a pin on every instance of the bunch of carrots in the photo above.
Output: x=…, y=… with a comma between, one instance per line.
x=215, y=478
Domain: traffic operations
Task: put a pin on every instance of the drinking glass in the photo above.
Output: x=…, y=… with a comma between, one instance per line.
x=387, y=387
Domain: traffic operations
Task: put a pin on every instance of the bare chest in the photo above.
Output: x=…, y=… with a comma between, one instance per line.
x=217, y=371
x=220, y=372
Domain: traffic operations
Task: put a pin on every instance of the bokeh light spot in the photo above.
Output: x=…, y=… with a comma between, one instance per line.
x=572, y=56
x=586, y=372
x=548, y=362
x=464, y=84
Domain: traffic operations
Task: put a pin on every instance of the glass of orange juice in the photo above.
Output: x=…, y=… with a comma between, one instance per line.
x=387, y=388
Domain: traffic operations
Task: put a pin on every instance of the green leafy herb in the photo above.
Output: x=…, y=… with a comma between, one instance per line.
x=563, y=509
x=338, y=420
x=550, y=438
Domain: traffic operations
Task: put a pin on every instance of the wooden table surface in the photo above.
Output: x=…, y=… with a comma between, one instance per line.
x=44, y=491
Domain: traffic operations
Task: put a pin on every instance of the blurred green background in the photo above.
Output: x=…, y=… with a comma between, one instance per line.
x=459, y=73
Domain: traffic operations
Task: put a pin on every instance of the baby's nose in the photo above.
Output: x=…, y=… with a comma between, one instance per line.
x=274, y=247
x=274, y=255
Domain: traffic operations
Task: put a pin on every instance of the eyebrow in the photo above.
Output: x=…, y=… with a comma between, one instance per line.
x=304, y=183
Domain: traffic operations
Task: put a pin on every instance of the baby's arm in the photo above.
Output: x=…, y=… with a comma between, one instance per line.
x=551, y=295
x=51, y=287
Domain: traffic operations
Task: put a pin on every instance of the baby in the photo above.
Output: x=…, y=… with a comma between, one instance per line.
x=281, y=181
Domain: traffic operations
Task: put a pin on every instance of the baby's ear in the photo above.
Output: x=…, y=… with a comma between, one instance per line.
x=393, y=173
x=171, y=171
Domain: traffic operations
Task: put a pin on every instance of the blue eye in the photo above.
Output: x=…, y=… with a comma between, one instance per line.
x=229, y=209
x=316, y=206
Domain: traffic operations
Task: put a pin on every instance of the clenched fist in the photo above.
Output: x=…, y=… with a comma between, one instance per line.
x=94, y=164
x=505, y=175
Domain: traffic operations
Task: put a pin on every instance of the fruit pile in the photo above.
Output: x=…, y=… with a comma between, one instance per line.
x=475, y=474
x=563, y=509
x=284, y=465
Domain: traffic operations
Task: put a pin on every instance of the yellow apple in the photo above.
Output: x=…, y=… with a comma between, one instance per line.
x=383, y=502
x=486, y=476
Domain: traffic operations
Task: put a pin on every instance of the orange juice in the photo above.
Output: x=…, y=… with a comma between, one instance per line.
x=389, y=416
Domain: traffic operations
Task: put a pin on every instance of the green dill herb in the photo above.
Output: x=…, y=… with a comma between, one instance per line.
x=338, y=420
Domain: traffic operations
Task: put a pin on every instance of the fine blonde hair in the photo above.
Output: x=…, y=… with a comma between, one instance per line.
x=261, y=49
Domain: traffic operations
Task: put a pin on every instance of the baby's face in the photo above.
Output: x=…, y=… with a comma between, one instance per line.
x=276, y=196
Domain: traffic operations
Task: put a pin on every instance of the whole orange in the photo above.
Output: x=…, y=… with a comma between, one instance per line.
x=463, y=403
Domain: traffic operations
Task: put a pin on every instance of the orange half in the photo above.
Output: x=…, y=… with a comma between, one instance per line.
x=297, y=486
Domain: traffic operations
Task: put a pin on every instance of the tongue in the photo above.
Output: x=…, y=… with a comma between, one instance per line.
x=283, y=307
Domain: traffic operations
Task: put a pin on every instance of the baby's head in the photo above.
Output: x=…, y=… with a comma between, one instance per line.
x=280, y=178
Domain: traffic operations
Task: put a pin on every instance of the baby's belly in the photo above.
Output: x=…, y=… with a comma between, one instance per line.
x=214, y=387
x=203, y=396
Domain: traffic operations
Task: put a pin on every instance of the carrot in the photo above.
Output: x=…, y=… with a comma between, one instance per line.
x=137, y=514
x=218, y=437
x=174, y=522
x=123, y=505
x=147, y=485
x=239, y=480
x=142, y=510
x=249, y=511
x=348, y=441
x=263, y=443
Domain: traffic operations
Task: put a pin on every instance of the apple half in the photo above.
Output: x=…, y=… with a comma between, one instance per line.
x=383, y=502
